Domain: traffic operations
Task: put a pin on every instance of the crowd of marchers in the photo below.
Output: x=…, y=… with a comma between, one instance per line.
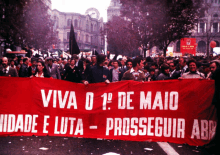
x=98, y=68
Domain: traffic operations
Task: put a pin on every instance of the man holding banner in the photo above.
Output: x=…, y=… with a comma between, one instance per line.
x=135, y=73
x=98, y=73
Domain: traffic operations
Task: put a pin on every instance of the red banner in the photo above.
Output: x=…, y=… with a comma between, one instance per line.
x=188, y=46
x=178, y=111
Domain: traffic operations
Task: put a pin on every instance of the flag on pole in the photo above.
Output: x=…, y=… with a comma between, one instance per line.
x=73, y=46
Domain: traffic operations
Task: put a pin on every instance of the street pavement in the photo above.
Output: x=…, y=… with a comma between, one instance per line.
x=82, y=146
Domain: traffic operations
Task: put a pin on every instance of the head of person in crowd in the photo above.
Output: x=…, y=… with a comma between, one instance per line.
x=110, y=64
x=26, y=61
x=161, y=60
x=205, y=67
x=75, y=57
x=149, y=59
x=59, y=61
x=122, y=61
x=41, y=70
x=172, y=66
x=64, y=62
x=192, y=66
x=101, y=59
x=138, y=63
x=213, y=66
x=146, y=69
x=115, y=64
x=106, y=63
x=86, y=62
x=33, y=62
x=68, y=61
x=72, y=62
x=129, y=64
x=154, y=65
x=50, y=61
x=38, y=59
x=22, y=58
x=12, y=63
x=55, y=61
x=146, y=63
x=152, y=71
x=40, y=66
x=4, y=62
x=182, y=62
x=165, y=69
x=89, y=58
x=20, y=61
x=15, y=58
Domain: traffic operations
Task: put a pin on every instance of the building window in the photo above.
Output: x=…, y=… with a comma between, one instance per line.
x=87, y=25
x=69, y=22
x=215, y=15
x=80, y=23
x=92, y=42
x=215, y=27
x=75, y=23
x=96, y=40
x=87, y=38
x=95, y=28
x=68, y=35
x=202, y=28
x=91, y=27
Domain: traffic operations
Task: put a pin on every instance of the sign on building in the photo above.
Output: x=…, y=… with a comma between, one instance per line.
x=188, y=46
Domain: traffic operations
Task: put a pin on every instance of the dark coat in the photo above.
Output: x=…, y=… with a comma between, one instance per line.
x=80, y=65
x=23, y=72
x=11, y=72
x=72, y=75
x=30, y=71
x=162, y=76
x=98, y=74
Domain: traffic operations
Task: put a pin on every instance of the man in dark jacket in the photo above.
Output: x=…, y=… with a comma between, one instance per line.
x=72, y=73
x=98, y=73
x=23, y=72
x=33, y=67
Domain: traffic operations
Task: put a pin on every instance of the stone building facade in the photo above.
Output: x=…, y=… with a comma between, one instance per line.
x=87, y=29
x=207, y=29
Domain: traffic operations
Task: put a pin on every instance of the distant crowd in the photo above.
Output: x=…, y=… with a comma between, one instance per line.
x=99, y=69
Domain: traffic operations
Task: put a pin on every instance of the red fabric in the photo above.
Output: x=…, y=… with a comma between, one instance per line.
x=23, y=96
x=188, y=46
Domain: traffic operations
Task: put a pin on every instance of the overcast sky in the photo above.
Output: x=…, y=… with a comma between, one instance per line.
x=80, y=6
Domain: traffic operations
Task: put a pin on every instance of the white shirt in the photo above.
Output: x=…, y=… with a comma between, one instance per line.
x=6, y=69
x=135, y=74
x=42, y=75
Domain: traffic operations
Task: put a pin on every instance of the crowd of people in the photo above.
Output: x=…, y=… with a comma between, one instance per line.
x=99, y=69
